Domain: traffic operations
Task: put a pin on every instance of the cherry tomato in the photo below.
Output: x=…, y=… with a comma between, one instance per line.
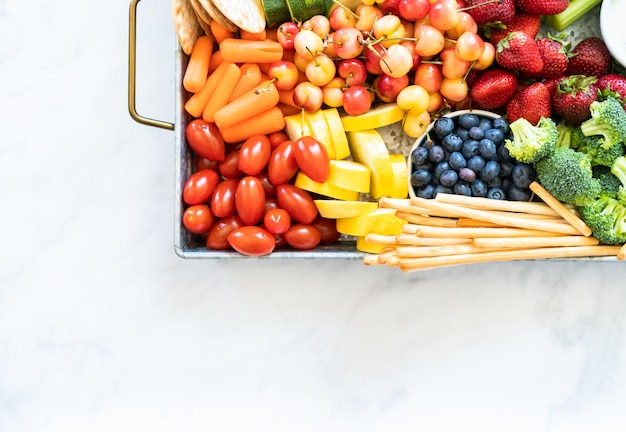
x=205, y=139
x=282, y=165
x=277, y=138
x=328, y=229
x=277, y=221
x=298, y=203
x=204, y=163
x=252, y=240
x=270, y=189
x=198, y=219
x=270, y=203
x=218, y=234
x=303, y=237
x=254, y=154
x=250, y=200
x=312, y=158
x=223, y=200
x=200, y=186
x=229, y=167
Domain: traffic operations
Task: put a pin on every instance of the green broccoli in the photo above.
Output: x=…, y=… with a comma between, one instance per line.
x=608, y=119
x=606, y=216
x=567, y=175
x=593, y=146
x=531, y=142
x=565, y=134
x=609, y=184
x=618, y=168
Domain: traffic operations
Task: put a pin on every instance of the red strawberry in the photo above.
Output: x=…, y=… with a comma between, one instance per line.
x=519, y=52
x=613, y=84
x=493, y=88
x=590, y=57
x=573, y=97
x=529, y=24
x=555, y=55
x=541, y=7
x=531, y=102
x=486, y=11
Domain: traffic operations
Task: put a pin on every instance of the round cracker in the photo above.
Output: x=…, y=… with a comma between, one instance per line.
x=203, y=18
x=186, y=24
x=248, y=15
x=218, y=16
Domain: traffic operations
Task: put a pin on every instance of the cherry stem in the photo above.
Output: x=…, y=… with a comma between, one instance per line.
x=337, y=2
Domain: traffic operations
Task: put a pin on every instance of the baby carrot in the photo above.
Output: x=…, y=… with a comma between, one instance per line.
x=251, y=103
x=220, y=96
x=252, y=36
x=196, y=103
x=198, y=66
x=265, y=123
x=286, y=97
x=219, y=32
x=250, y=78
x=251, y=51
x=216, y=60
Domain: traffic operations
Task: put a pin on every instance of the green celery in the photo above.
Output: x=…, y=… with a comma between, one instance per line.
x=575, y=10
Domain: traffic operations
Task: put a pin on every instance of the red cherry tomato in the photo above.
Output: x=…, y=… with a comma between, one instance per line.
x=312, y=158
x=218, y=235
x=254, y=154
x=250, y=200
x=205, y=139
x=270, y=203
x=277, y=138
x=198, y=219
x=223, y=200
x=282, y=165
x=298, y=203
x=303, y=237
x=277, y=221
x=252, y=240
x=200, y=186
x=328, y=229
x=270, y=189
x=229, y=167
x=204, y=163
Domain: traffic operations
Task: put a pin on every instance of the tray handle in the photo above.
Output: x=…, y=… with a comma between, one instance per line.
x=132, y=73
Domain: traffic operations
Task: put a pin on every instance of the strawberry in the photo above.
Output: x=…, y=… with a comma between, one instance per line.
x=574, y=94
x=519, y=52
x=555, y=54
x=590, y=57
x=493, y=88
x=612, y=85
x=486, y=11
x=529, y=24
x=541, y=7
x=532, y=102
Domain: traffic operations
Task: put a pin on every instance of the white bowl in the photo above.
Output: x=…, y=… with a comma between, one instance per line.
x=612, y=23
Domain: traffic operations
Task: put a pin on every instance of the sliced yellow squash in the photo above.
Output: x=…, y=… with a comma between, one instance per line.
x=336, y=209
x=381, y=221
x=368, y=148
x=337, y=132
x=382, y=115
x=363, y=246
x=326, y=189
x=349, y=175
x=400, y=176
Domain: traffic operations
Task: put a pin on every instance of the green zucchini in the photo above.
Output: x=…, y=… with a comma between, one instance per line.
x=276, y=12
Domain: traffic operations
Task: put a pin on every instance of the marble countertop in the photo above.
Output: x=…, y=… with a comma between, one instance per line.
x=104, y=328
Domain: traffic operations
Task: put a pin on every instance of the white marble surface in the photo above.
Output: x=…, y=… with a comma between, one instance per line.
x=104, y=328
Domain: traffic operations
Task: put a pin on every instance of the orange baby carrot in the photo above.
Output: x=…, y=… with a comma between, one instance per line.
x=286, y=97
x=197, y=102
x=252, y=36
x=250, y=104
x=197, y=68
x=220, y=96
x=216, y=60
x=251, y=51
x=219, y=32
x=265, y=123
x=250, y=78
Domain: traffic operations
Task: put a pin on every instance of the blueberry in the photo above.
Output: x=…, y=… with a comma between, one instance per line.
x=468, y=120
x=448, y=178
x=522, y=175
x=495, y=135
x=490, y=171
x=443, y=126
x=439, y=168
x=506, y=183
x=427, y=192
x=452, y=143
x=506, y=168
x=495, y=182
x=420, y=178
x=476, y=133
x=425, y=166
x=485, y=124
x=462, y=133
x=462, y=188
x=457, y=160
x=516, y=194
x=503, y=154
x=479, y=188
x=436, y=154
x=467, y=174
x=442, y=189
x=496, y=193
x=501, y=124
x=487, y=149
x=476, y=163
x=470, y=148
x=419, y=155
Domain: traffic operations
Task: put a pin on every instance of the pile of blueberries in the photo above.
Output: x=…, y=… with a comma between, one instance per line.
x=466, y=155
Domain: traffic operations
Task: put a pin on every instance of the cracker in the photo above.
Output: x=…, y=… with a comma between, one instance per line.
x=218, y=16
x=187, y=27
x=248, y=15
x=203, y=18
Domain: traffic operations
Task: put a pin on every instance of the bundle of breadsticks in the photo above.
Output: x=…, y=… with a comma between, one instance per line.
x=452, y=230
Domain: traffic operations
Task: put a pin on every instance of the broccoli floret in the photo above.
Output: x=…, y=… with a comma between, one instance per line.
x=618, y=168
x=606, y=216
x=608, y=119
x=565, y=134
x=609, y=184
x=593, y=146
x=531, y=142
x=567, y=175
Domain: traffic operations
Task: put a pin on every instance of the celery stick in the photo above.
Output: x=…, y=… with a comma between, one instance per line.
x=575, y=10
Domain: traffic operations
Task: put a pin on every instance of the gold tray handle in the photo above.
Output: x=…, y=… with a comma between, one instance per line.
x=132, y=73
